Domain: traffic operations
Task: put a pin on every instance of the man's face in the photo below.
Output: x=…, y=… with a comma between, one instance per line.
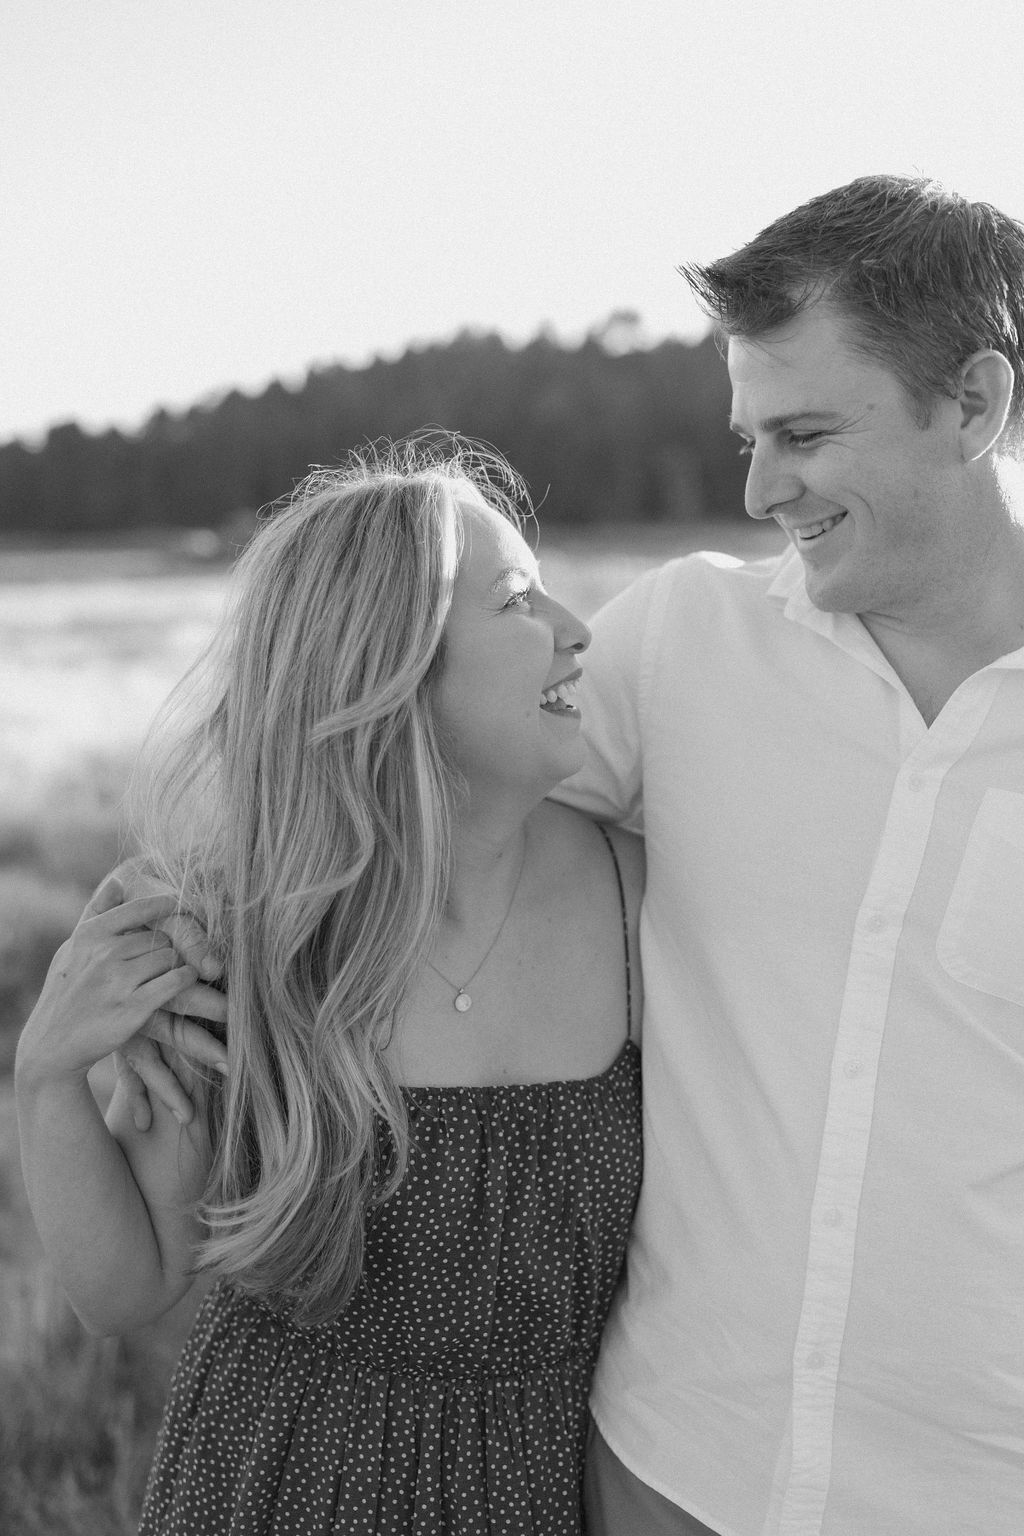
x=872, y=502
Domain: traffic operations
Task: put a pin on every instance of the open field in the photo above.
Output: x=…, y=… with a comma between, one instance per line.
x=92, y=639
x=90, y=642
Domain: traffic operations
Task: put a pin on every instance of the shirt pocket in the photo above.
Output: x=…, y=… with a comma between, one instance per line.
x=981, y=940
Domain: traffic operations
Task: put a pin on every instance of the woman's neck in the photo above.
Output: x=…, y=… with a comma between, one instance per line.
x=488, y=863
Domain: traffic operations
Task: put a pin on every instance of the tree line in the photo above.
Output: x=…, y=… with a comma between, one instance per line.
x=601, y=433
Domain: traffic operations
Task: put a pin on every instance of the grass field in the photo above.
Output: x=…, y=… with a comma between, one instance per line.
x=89, y=641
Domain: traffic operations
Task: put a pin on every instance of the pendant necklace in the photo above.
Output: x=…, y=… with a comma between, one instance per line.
x=462, y=1002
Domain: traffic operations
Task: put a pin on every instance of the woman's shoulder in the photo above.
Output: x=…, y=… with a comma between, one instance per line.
x=577, y=859
x=632, y=861
x=578, y=865
x=573, y=842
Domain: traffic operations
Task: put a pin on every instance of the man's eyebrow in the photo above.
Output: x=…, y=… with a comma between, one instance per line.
x=780, y=423
x=509, y=573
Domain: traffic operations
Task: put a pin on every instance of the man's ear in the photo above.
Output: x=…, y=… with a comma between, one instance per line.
x=986, y=388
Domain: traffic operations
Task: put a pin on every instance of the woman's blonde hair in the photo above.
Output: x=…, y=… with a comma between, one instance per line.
x=306, y=816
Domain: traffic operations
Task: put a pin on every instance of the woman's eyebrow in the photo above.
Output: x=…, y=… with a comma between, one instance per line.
x=509, y=573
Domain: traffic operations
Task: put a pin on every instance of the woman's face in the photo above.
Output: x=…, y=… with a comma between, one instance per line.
x=503, y=700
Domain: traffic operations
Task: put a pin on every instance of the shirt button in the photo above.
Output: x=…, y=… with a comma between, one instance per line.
x=876, y=922
x=854, y=1067
x=815, y=1360
x=833, y=1217
x=915, y=782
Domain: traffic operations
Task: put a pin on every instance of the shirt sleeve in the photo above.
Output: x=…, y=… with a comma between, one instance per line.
x=610, y=785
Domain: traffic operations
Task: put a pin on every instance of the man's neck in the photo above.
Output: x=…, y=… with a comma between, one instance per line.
x=932, y=662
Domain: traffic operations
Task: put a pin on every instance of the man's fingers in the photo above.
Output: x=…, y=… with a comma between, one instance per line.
x=158, y=1078
x=135, y=1092
x=159, y=962
x=192, y=1040
x=201, y=1002
x=158, y=992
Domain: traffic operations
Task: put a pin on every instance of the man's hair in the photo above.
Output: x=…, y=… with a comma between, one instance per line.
x=924, y=276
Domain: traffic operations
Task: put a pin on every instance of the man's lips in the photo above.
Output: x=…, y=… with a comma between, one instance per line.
x=806, y=533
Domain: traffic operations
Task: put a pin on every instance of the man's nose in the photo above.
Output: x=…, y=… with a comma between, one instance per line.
x=770, y=485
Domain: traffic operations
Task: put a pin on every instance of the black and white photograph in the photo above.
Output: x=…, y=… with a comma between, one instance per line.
x=511, y=768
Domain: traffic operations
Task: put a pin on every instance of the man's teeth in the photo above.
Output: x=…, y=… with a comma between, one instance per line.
x=561, y=694
x=815, y=530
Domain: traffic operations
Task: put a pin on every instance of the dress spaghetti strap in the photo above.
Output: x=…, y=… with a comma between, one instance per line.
x=625, y=929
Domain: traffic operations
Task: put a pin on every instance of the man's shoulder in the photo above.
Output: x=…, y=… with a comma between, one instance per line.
x=708, y=584
x=716, y=569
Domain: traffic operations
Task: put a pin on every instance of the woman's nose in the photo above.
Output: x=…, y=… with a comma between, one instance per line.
x=570, y=632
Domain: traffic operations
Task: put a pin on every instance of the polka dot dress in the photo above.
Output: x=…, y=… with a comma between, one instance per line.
x=449, y=1398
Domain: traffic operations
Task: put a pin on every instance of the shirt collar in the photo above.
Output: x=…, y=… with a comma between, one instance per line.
x=844, y=629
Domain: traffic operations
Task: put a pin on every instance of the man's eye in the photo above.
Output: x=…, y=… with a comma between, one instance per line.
x=795, y=440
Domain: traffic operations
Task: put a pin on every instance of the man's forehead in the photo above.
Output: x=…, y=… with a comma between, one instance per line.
x=807, y=370
x=813, y=337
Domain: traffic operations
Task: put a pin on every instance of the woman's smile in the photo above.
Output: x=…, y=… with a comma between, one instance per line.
x=557, y=700
x=510, y=650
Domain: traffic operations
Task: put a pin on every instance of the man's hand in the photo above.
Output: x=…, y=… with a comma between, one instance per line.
x=141, y=1064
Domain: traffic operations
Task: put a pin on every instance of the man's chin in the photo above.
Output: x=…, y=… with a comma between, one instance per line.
x=828, y=592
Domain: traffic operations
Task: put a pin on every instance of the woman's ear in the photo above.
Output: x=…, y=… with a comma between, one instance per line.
x=986, y=388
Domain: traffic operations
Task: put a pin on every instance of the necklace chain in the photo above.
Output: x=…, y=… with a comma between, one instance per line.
x=462, y=1002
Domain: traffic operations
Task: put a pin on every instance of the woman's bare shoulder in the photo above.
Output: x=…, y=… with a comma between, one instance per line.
x=577, y=858
x=575, y=836
x=630, y=852
x=567, y=836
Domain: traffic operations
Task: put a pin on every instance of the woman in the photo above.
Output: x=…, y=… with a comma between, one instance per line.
x=413, y=1180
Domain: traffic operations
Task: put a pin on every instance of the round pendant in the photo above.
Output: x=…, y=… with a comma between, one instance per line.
x=463, y=1002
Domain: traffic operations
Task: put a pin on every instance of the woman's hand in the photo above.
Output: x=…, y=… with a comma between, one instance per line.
x=107, y=984
x=142, y=1066
x=189, y=938
x=141, y=1063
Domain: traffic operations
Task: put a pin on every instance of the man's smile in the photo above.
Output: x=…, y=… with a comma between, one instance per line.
x=808, y=532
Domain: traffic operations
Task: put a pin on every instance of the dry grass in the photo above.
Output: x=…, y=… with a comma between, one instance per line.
x=78, y=1414
x=75, y=1429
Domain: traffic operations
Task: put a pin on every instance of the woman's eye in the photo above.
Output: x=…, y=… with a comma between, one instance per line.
x=745, y=450
x=519, y=598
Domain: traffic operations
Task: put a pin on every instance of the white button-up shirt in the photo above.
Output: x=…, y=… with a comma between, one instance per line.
x=822, y=1326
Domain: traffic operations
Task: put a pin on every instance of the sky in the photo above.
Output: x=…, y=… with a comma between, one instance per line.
x=197, y=195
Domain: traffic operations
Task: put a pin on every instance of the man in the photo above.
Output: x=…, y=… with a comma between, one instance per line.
x=822, y=1324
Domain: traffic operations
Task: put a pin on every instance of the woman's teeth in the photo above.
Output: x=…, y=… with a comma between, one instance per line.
x=559, y=697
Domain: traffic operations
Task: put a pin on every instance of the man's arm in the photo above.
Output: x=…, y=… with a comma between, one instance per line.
x=610, y=784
